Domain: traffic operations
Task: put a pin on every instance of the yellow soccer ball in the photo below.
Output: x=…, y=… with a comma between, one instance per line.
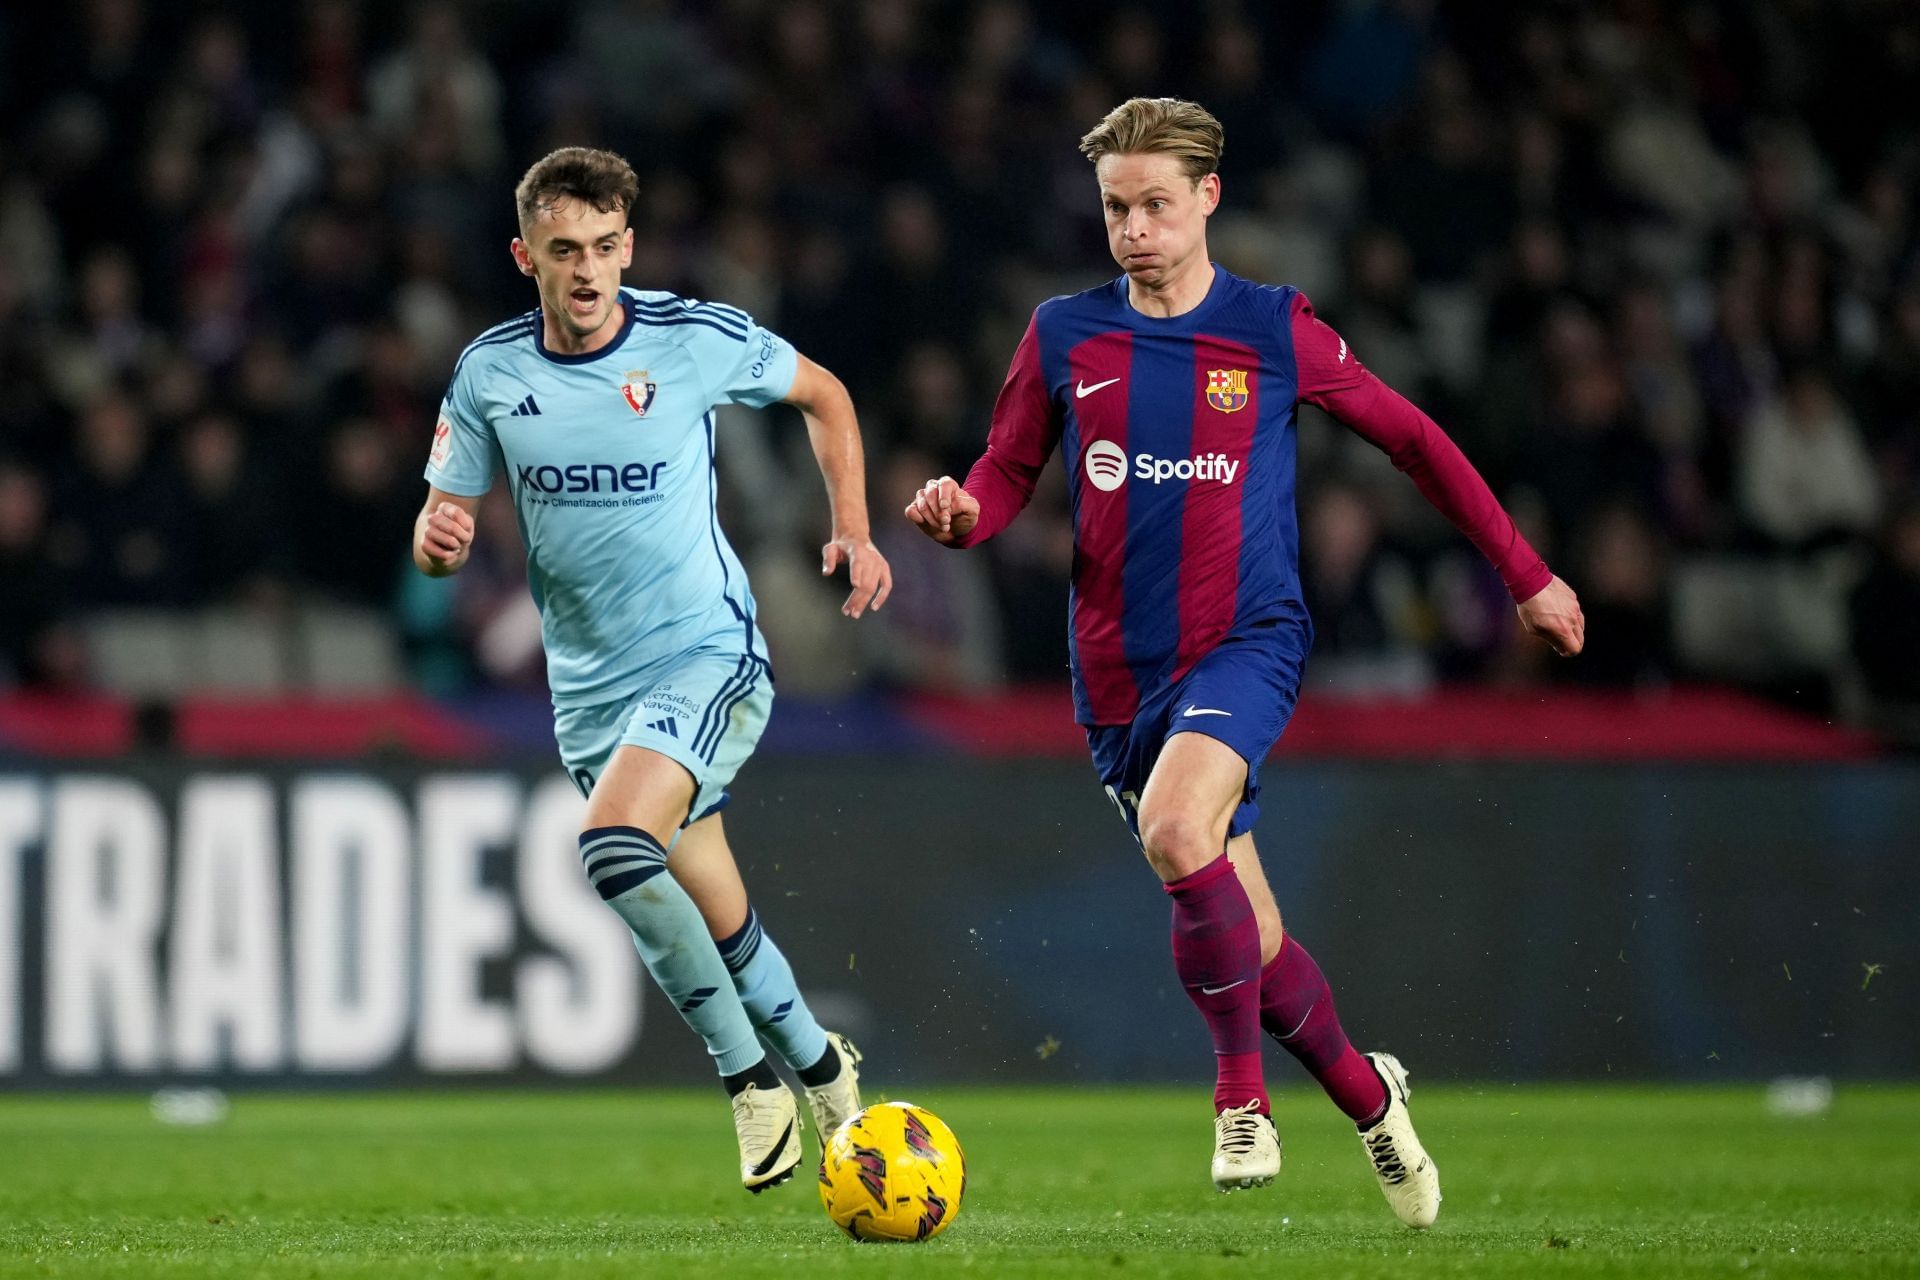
x=894, y=1172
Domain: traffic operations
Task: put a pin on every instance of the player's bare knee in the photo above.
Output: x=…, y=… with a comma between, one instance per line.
x=1178, y=843
x=1271, y=936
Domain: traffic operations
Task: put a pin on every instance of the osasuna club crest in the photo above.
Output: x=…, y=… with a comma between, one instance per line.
x=1227, y=389
x=638, y=391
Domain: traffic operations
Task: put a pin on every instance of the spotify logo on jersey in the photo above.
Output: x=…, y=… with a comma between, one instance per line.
x=1106, y=465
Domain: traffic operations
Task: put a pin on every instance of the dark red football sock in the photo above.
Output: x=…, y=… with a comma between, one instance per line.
x=1296, y=1008
x=1216, y=952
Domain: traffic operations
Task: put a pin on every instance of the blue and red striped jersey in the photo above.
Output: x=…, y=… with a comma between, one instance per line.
x=1178, y=439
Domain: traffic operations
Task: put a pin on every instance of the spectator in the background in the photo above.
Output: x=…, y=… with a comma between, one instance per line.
x=115, y=524
x=1379, y=318
x=438, y=70
x=266, y=393
x=1658, y=151
x=117, y=337
x=1236, y=85
x=1134, y=48
x=1539, y=276
x=743, y=263
x=492, y=608
x=1545, y=180
x=330, y=59
x=1445, y=194
x=940, y=629
x=35, y=266
x=1368, y=63
x=1735, y=363
x=360, y=509
x=37, y=646
x=819, y=309
x=29, y=423
x=177, y=389
x=433, y=186
x=1893, y=389
x=933, y=410
x=1886, y=624
x=912, y=285
x=1588, y=448
x=1340, y=541
x=160, y=230
x=97, y=97
x=387, y=385
x=1875, y=231
x=1660, y=383
x=330, y=281
x=234, y=546
x=653, y=68
x=1537, y=279
x=1804, y=472
x=110, y=341
x=1624, y=599
x=1797, y=295
x=426, y=305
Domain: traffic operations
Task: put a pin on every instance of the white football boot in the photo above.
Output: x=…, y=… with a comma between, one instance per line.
x=1246, y=1149
x=838, y=1101
x=767, y=1122
x=1408, y=1177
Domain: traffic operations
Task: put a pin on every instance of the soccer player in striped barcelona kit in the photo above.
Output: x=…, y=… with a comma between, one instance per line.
x=1171, y=394
x=598, y=407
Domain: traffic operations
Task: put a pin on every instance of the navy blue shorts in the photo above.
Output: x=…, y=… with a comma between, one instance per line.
x=1242, y=693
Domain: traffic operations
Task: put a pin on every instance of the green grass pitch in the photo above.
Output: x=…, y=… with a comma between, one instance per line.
x=1575, y=1181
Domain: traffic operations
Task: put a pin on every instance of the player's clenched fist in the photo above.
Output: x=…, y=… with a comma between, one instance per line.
x=445, y=534
x=1554, y=616
x=943, y=510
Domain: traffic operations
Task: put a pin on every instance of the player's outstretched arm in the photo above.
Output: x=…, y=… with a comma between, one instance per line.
x=1332, y=378
x=443, y=532
x=944, y=511
x=1553, y=615
x=835, y=434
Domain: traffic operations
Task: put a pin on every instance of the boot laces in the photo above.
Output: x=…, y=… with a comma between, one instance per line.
x=1386, y=1158
x=1239, y=1130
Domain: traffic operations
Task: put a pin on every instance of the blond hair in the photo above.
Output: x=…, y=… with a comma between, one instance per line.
x=1166, y=126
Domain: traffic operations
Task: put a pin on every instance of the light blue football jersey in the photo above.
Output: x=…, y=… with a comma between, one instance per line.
x=609, y=457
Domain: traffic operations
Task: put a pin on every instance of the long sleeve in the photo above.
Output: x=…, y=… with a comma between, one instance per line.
x=1024, y=432
x=1332, y=378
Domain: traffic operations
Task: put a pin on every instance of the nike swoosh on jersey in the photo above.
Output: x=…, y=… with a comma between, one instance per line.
x=1082, y=391
x=1214, y=991
x=1202, y=711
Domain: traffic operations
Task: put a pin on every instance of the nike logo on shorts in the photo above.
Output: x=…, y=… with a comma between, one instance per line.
x=1214, y=991
x=1202, y=711
x=1082, y=391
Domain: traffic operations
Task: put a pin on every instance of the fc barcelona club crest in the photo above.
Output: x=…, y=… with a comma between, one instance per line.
x=1227, y=389
x=638, y=391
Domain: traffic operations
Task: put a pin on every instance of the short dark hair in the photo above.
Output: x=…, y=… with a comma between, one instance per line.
x=599, y=178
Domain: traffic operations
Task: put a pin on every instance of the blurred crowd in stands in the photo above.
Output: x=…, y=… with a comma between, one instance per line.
x=1654, y=265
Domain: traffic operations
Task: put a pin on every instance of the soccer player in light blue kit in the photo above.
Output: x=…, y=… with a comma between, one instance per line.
x=598, y=405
